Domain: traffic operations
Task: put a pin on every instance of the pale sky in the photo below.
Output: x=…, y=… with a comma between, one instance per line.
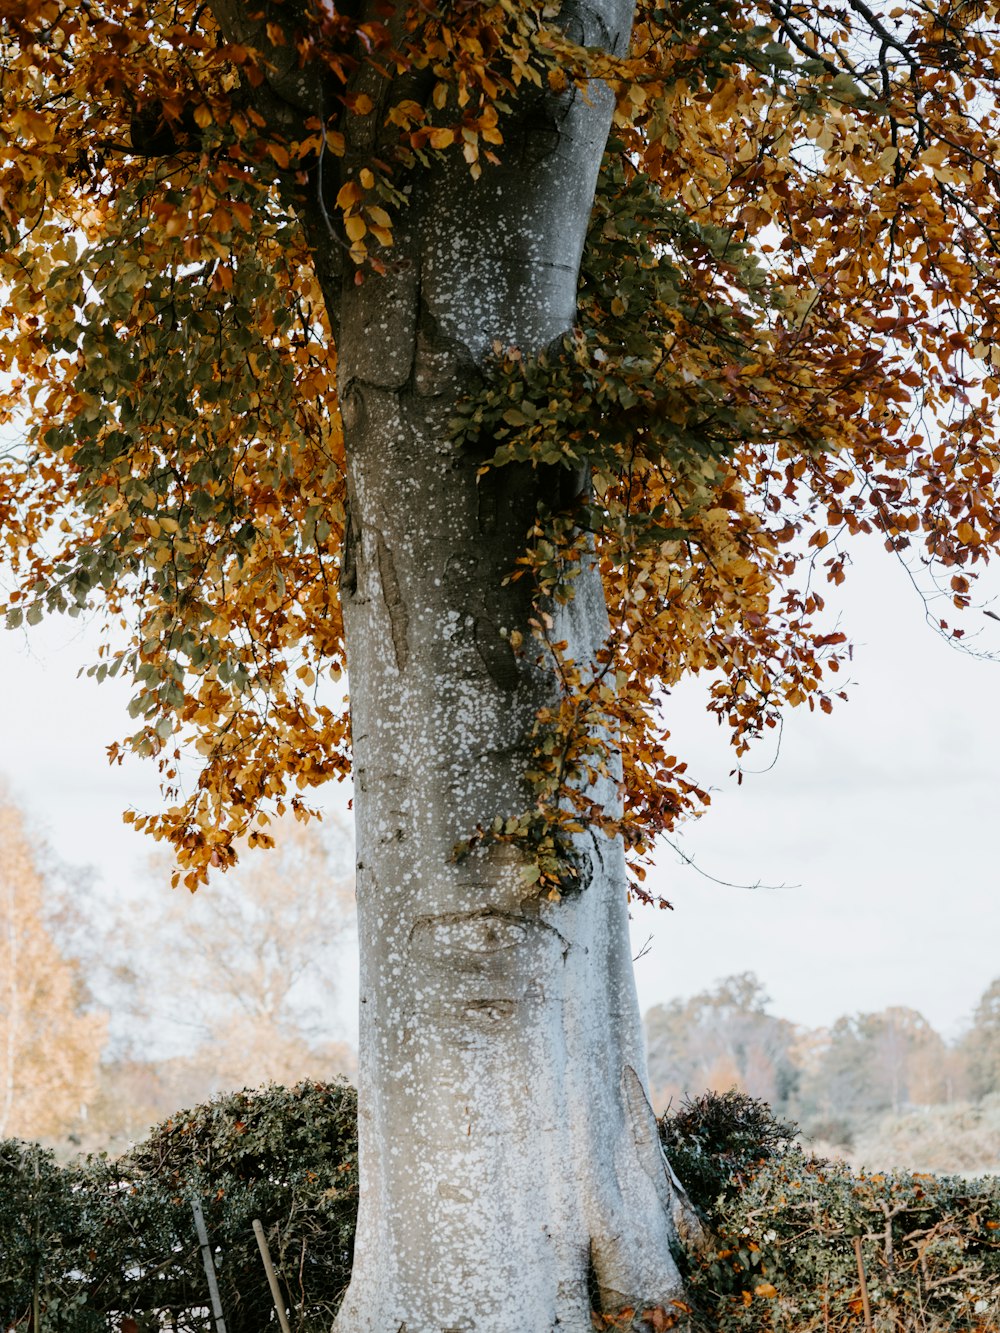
x=882, y=817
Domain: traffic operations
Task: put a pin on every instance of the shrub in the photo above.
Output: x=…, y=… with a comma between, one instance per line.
x=784, y=1257
x=43, y=1231
x=714, y=1142
x=107, y=1239
x=783, y=1225
x=123, y=1229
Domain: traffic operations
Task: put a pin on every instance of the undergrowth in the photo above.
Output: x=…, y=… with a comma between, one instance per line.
x=794, y=1244
x=797, y=1243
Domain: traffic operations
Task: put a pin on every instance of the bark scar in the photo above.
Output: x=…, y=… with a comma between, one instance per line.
x=349, y=561
x=485, y=930
x=644, y=1130
x=671, y=1193
x=490, y=1011
x=399, y=621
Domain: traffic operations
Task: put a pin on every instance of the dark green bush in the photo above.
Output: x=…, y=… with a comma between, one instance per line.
x=124, y=1228
x=783, y=1255
x=43, y=1232
x=287, y=1156
x=782, y=1225
x=716, y=1141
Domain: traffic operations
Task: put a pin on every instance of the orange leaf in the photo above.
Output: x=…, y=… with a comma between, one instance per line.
x=967, y=534
x=349, y=193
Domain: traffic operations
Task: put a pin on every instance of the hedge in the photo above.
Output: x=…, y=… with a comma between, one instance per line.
x=116, y=1238
x=111, y=1244
x=783, y=1228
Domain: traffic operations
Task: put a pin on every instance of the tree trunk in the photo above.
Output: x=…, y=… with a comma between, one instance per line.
x=511, y=1175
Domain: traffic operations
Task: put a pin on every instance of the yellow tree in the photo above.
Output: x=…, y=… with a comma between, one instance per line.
x=50, y=1044
x=721, y=1039
x=520, y=357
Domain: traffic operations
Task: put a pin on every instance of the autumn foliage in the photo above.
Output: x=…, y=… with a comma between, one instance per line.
x=51, y=1039
x=787, y=336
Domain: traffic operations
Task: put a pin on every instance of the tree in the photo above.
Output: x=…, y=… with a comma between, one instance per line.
x=722, y=1039
x=233, y=987
x=879, y=1062
x=249, y=966
x=50, y=1041
x=310, y=375
x=981, y=1045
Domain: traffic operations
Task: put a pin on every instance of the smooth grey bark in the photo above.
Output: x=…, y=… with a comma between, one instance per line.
x=510, y=1167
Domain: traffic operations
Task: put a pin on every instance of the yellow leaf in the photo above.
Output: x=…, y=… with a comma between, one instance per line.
x=355, y=227
x=406, y=112
x=349, y=193
x=34, y=126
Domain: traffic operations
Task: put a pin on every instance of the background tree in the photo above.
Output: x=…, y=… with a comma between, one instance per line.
x=722, y=1039
x=532, y=515
x=50, y=1037
x=982, y=1044
x=252, y=966
x=237, y=986
x=879, y=1062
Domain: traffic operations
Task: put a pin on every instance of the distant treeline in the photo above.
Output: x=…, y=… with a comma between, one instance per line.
x=832, y=1081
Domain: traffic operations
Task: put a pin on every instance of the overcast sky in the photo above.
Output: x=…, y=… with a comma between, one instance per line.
x=881, y=820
